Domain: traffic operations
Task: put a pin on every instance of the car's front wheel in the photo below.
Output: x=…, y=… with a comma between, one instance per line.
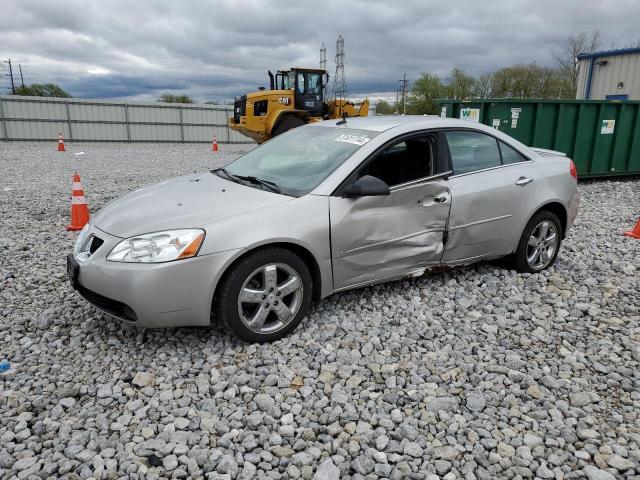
x=265, y=295
x=539, y=244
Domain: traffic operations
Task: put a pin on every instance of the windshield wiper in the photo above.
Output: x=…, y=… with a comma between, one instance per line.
x=258, y=181
x=224, y=171
x=248, y=178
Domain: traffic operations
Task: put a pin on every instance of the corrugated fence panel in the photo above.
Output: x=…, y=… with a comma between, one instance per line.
x=205, y=134
x=38, y=118
x=155, y=133
x=101, y=132
x=34, y=130
x=153, y=114
x=95, y=113
x=34, y=109
x=207, y=116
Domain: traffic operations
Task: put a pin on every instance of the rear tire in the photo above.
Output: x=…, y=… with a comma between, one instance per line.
x=286, y=124
x=539, y=244
x=265, y=296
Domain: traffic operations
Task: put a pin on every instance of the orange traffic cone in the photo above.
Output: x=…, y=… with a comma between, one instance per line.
x=214, y=145
x=61, y=143
x=635, y=233
x=79, y=208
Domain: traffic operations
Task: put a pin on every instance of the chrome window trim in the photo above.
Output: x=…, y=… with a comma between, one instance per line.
x=420, y=181
x=498, y=140
x=491, y=168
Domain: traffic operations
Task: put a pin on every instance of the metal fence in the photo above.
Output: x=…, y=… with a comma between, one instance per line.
x=39, y=118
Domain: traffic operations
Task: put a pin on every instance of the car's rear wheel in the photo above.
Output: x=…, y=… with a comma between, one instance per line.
x=539, y=244
x=265, y=295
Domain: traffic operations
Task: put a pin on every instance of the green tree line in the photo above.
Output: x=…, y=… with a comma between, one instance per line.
x=515, y=81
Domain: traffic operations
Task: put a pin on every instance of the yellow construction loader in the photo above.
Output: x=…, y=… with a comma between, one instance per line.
x=296, y=97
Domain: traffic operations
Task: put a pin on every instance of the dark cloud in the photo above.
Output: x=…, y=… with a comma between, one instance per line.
x=218, y=49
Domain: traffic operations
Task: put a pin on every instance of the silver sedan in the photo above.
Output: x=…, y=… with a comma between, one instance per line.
x=323, y=208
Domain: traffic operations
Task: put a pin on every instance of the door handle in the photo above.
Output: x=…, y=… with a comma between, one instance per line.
x=440, y=199
x=522, y=181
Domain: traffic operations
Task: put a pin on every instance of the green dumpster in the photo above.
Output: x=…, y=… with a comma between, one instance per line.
x=601, y=136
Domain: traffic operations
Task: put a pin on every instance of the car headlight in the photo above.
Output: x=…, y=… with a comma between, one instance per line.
x=158, y=246
x=82, y=236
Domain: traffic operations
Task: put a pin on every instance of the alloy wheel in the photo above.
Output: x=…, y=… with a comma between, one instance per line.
x=270, y=298
x=542, y=245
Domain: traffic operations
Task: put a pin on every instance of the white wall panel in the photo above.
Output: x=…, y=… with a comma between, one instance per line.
x=38, y=118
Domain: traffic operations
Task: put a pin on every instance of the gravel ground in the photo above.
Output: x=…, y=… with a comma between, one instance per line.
x=476, y=372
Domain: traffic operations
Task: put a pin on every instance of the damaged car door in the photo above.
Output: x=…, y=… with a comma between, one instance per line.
x=377, y=236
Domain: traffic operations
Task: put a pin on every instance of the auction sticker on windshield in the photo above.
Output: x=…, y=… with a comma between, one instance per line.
x=355, y=139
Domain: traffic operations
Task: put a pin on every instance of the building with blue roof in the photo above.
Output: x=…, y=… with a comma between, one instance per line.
x=609, y=75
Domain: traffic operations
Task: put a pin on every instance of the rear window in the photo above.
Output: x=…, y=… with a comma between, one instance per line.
x=471, y=151
x=510, y=154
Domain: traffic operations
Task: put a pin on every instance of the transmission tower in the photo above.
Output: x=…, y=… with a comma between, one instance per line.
x=323, y=57
x=339, y=80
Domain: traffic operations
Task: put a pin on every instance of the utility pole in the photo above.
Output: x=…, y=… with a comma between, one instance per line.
x=404, y=83
x=13, y=87
x=323, y=57
x=21, y=77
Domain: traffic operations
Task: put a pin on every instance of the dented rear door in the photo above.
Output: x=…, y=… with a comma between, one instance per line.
x=374, y=238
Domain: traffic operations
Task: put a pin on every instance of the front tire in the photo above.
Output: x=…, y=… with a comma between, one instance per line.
x=287, y=123
x=265, y=296
x=539, y=244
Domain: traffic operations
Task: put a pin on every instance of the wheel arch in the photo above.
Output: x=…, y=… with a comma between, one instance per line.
x=282, y=114
x=303, y=252
x=559, y=210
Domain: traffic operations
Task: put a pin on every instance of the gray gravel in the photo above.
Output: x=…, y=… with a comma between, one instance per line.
x=472, y=373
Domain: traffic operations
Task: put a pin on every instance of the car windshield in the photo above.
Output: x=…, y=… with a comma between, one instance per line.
x=297, y=161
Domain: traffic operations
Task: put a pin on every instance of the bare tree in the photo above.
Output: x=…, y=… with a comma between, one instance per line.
x=483, y=87
x=567, y=60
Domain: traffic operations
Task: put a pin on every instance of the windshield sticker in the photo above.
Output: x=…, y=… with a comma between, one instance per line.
x=355, y=139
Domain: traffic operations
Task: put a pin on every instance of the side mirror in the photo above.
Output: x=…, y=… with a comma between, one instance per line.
x=367, y=186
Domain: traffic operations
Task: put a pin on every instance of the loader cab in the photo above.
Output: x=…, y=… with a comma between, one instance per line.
x=308, y=86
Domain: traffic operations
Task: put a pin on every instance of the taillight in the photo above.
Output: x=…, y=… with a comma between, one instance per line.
x=573, y=170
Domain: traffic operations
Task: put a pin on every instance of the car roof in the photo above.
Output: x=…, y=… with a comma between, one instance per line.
x=382, y=123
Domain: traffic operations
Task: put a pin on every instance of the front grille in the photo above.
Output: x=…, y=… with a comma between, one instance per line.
x=112, y=307
x=239, y=108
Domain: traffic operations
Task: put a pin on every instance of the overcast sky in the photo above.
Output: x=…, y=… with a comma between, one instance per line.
x=214, y=50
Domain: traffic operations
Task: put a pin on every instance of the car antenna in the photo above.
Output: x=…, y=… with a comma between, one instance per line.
x=344, y=119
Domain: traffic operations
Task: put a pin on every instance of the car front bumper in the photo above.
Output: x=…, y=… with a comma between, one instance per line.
x=169, y=294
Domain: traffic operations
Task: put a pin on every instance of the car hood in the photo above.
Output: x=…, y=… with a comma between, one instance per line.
x=184, y=202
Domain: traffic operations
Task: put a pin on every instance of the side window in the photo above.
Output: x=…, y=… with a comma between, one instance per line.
x=510, y=154
x=301, y=82
x=404, y=161
x=314, y=81
x=471, y=151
